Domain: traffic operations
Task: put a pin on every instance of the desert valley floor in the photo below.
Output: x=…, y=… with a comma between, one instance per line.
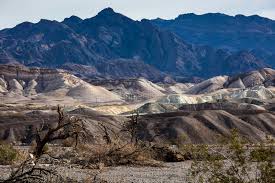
x=202, y=113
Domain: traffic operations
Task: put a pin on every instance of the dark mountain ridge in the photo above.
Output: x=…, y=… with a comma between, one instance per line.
x=113, y=45
x=252, y=33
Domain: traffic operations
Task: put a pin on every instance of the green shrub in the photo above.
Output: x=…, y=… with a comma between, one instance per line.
x=7, y=154
x=238, y=162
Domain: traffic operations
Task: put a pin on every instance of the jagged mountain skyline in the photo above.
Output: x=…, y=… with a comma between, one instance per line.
x=113, y=45
x=13, y=12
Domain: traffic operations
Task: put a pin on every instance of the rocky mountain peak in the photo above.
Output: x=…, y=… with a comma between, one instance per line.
x=73, y=19
x=101, y=41
x=107, y=11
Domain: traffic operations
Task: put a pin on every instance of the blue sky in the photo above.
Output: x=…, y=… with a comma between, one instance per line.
x=13, y=12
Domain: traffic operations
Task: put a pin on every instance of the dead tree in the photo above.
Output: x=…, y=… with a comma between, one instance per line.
x=27, y=172
x=31, y=170
x=132, y=126
x=106, y=135
x=65, y=128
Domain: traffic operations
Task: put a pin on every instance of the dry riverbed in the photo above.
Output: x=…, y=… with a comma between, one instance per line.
x=169, y=172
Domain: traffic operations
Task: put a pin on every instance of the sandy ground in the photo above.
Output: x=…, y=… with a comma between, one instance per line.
x=170, y=172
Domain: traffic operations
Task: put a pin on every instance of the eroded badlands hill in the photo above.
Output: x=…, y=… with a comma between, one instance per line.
x=200, y=112
x=21, y=83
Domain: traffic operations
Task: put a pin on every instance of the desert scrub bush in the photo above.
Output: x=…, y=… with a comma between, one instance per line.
x=195, y=152
x=264, y=156
x=235, y=162
x=69, y=142
x=126, y=148
x=7, y=154
x=105, y=155
x=122, y=148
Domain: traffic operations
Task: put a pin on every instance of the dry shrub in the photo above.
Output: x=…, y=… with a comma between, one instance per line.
x=125, y=148
x=120, y=148
x=167, y=153
x=7, y=154
x=98, y=156
x=69, y=142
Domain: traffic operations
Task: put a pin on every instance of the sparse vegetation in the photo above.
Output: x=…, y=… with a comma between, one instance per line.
x=106, y=155
x=119, y=148
x=237, y=161
x=7, y=154
x=31, y=170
